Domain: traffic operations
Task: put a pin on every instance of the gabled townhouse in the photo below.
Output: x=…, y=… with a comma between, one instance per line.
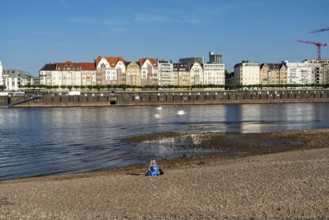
x=133, y=74
x=110, y=70
x=272, y=73
x=196, y=74
x=246, y=73
x=149, y=70
x=298, y=73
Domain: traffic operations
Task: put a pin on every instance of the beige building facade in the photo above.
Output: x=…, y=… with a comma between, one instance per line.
x=110, y=70
x=246, y=73
x=133, y=74
x=325, y=71
x=272, y=73
x=181, y=74
x=149, y=71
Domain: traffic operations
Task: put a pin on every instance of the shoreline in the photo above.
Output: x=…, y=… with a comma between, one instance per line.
x=288, y=177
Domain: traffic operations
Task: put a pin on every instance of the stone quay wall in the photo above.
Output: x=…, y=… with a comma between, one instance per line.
x=166, y=98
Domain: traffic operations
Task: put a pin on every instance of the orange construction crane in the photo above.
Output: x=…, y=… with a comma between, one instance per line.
x=320, y=30
x=318, y=44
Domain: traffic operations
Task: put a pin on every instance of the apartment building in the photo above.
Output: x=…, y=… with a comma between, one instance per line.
x=110, y=70
x=298, y=72
x=166, y=72
x=272, y=73
x=181, y=74
x=68, y=74
x=246, y=73
x=196, y=74
x=320, y=71
x=214, y=74
x=316, y=71
x=133, y=74
x=88, y=74
x=14, y=78
x=214, y=70
x=149, y=70
x=325, y=70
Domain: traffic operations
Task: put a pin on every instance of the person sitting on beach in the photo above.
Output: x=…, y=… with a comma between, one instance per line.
x=153, y=169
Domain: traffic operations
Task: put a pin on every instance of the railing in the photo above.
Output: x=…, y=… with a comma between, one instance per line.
x=25, y=100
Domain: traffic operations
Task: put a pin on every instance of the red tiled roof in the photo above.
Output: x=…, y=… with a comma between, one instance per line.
x=88, y=66
x=152, y=61
x=68, y=65
x=111, y=60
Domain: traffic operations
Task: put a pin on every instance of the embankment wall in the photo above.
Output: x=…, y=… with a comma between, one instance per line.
x=167, y=98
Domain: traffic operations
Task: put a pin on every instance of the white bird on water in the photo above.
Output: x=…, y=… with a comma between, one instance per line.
x=180, y=112
x=159, y=108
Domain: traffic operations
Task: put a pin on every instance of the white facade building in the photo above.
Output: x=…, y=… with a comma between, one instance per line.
x=246, y=73
x=68, y=74
x=298, y=73
x=13, y=79
x=166, y=73
x=214, y=74
x=196, y=74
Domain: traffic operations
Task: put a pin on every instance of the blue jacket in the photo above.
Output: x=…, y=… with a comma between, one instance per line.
x=153, y=171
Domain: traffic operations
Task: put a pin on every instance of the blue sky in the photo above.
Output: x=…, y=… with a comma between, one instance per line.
x=36, y=32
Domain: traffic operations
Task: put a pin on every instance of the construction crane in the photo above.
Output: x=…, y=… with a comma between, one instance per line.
x=318, y=44
x=320, y=30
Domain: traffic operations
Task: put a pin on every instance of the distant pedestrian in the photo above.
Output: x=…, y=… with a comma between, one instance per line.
x=153, y=169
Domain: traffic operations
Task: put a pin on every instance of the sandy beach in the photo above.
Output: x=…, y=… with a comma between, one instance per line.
x=279, y=175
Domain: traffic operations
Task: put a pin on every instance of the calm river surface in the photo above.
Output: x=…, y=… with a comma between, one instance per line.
x=49, y=141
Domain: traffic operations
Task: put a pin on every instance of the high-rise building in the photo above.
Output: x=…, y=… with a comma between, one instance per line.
x=215, y=58
x=192, y=60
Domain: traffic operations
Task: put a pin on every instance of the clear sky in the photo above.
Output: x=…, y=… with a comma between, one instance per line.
x=36, y=32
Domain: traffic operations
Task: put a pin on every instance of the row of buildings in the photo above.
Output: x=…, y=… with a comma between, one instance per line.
x=106, y=70
x=306, y=72
x=187, y=72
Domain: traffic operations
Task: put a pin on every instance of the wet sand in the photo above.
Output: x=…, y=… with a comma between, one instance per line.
x=280, y=175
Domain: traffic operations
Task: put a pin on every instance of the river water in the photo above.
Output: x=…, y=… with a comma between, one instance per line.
x=50, y=141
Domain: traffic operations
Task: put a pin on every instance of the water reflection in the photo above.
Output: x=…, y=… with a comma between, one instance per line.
x=68, y=140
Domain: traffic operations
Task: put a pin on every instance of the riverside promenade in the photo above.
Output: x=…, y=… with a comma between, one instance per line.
x=129, y=98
